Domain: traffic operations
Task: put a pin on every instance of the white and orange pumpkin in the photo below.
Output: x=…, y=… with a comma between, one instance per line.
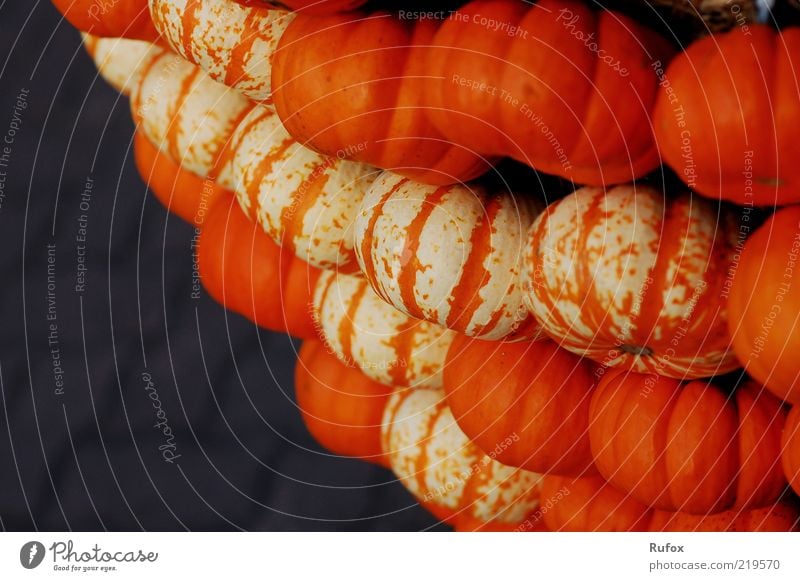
x=231, y=42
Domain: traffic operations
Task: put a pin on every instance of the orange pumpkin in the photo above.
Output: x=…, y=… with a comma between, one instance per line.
x=687, y=447
x=790, y=445
x=725, y=119
x=110, y=18
x=591, y=504
x=341, y=407
x=764, y=304
x=388, y=345
x=524, y=404
x=181, y=192
x=564, y=89
x=632, y=279
x=363, y=100
x=246, y=272
x=778, y=517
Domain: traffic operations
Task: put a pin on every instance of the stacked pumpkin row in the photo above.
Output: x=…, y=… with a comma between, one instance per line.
x=441, y=263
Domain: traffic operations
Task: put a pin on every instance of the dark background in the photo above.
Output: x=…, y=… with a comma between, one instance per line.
x=88, y=459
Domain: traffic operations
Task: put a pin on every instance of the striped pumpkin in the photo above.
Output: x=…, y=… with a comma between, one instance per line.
x=450, y=255
x=388, y=345
x=110, y=18
x=232, y=43
x=120, y=61
x=446, y=472
x=631, y=279
x=689, y=447
x=592, y=505
x=305, y=201
x=527, y=403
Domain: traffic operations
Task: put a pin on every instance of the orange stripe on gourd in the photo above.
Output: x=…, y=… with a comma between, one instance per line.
x=388, y=345
x=631, y=279
x=446, y=472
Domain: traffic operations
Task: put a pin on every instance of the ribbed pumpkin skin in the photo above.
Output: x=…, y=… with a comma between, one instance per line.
x=341, y=407
x=365, y=99
x=309, y=6
x=181, y=192
x=779, y=517
x=735, y=120
x=450, y=254
x=687, y=447
x=590, y=504
x=764, y=304
x=553, y=103
x=631, y=279
x=247, y=273
x=232, y=43
x=790, y=446
x=115, y=19
x=446, y=472
x=525, y=404
x=388, y=345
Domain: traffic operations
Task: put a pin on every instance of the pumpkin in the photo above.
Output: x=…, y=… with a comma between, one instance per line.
x=305, y=201
x=388, y=345
x=790, y=446
x=448, y=474
x=121, y=61
x=363, y=100
x=341, y=407
x=181, y=192
x=591, y=504
x=186, y=114
x=524, y=404
x=110, y=18
x=764, y=303
x=247, y=273
x=631, y=279
x=564, y=89
x=778, y=517
x=449, y=255
x=688, y=447
x=724, y=126
x=232, y=43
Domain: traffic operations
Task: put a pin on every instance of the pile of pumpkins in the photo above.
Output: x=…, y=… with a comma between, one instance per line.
x=604, y=340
